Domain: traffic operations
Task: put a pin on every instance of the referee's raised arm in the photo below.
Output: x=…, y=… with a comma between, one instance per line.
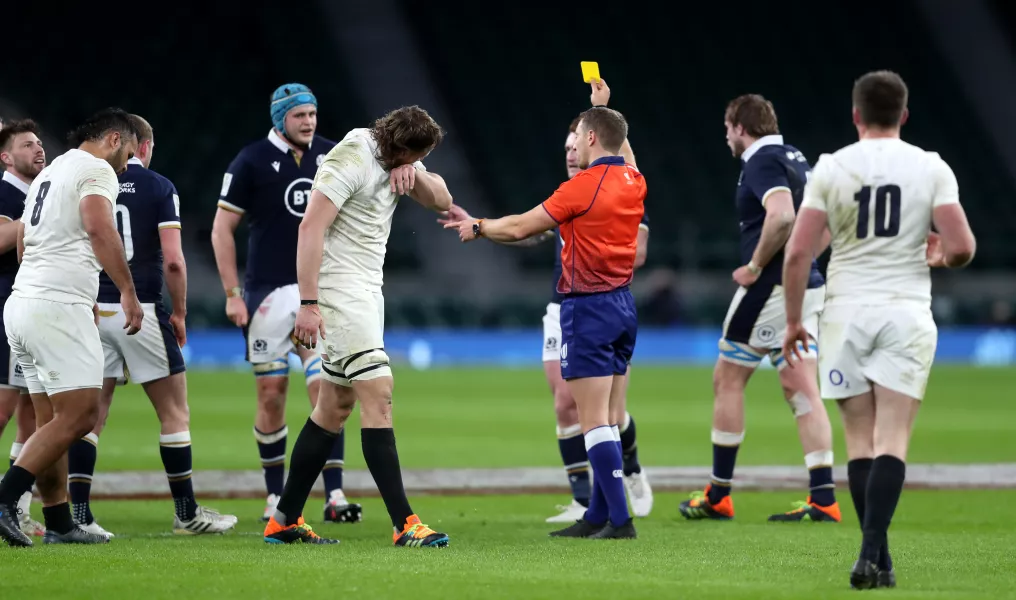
x=598, y=212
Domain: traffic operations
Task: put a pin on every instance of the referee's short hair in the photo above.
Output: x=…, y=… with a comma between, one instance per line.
x=610, y=127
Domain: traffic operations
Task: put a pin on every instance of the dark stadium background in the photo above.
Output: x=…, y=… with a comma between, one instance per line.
x=503, y=79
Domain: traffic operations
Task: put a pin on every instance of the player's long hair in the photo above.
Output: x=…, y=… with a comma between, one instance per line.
x=403, y=132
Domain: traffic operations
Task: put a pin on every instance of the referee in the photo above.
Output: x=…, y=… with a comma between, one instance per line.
x=598, y=213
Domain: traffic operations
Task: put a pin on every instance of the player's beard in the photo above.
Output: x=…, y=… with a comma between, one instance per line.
x=737, y=148
x=28, y=168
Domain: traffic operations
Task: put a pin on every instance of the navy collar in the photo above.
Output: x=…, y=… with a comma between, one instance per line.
x=607, y=160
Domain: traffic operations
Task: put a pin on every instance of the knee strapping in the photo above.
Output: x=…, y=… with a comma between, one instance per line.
x=800, y=404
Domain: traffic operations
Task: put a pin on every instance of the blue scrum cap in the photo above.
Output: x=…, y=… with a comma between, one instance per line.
x=286, y=98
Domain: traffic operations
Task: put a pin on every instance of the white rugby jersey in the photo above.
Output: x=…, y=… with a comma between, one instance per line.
x=59, y=263
x=355, y=244
x=879, y=195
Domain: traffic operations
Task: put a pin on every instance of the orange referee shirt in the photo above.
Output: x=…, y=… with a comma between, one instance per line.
x=599, y=211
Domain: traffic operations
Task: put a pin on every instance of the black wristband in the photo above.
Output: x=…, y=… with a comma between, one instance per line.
x=308, y=302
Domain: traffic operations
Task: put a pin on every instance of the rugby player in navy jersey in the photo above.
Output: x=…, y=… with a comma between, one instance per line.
x=23, y=158
x=769, y=193
x=269, y=182
x=147, y=215
x=571, y=442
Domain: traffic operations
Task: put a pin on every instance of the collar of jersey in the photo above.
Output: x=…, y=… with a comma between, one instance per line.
x=607, y=160
x=280, y=143
x=134, y=160
x=13, y=180
x=766, y=140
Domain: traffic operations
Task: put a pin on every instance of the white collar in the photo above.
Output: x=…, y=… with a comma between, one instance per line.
x=13, y=180
x=278, y=142
x=766, y=140
x=134, y=160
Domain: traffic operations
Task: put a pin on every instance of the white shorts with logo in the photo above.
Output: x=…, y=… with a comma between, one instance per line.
x=354, y=321
x=552, y=333
x=269, y=330
x=149, y=355
x=56, y=344
x=757, y=319
x=892, y=345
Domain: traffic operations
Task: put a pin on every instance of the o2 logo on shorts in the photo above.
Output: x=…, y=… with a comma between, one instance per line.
x=550, y=344
x=260, y=345
x=766, y=333
x=298, y=195
x=836, y=378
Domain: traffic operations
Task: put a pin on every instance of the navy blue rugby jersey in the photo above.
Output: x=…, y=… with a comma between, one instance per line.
x=12, y=205
x=769, y=166
x=268, y=184
x=147, y=203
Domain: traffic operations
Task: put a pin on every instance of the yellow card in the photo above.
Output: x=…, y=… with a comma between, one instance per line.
x=590, y=71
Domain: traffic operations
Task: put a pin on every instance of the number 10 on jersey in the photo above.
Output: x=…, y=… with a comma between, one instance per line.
x=887, y=211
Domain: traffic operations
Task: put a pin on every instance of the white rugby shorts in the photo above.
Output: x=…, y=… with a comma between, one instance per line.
x=892, y=345
x=149, y=355
x=56, y=344
x=270, y=326
x=552, y=333
x=354, y=319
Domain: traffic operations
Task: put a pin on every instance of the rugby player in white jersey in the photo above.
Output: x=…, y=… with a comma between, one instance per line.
x=879, y=199
x=67, y=236
x=339, y=261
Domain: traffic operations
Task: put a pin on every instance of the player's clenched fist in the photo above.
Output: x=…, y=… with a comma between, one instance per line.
x=403, y=179
x=309, y=325
x=133, y=311
x=600, y=94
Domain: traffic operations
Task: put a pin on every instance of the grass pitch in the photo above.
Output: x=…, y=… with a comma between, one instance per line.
x=505, y=418
x=946, y=544
x=499, y=549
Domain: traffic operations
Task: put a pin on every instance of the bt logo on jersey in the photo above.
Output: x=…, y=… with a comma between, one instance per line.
x=298, y=195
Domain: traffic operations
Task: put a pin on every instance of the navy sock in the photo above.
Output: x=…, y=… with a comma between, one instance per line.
x=81, y=459
x=58, y=518
x=272, y=447
x=605, y=458
x=725, y=447
x=822, y=490
x=629, y=447
x=858, y=471
x=13, y=486
x=175, y=449
x=885, y=484
x=332, y=473
x=576, y=464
